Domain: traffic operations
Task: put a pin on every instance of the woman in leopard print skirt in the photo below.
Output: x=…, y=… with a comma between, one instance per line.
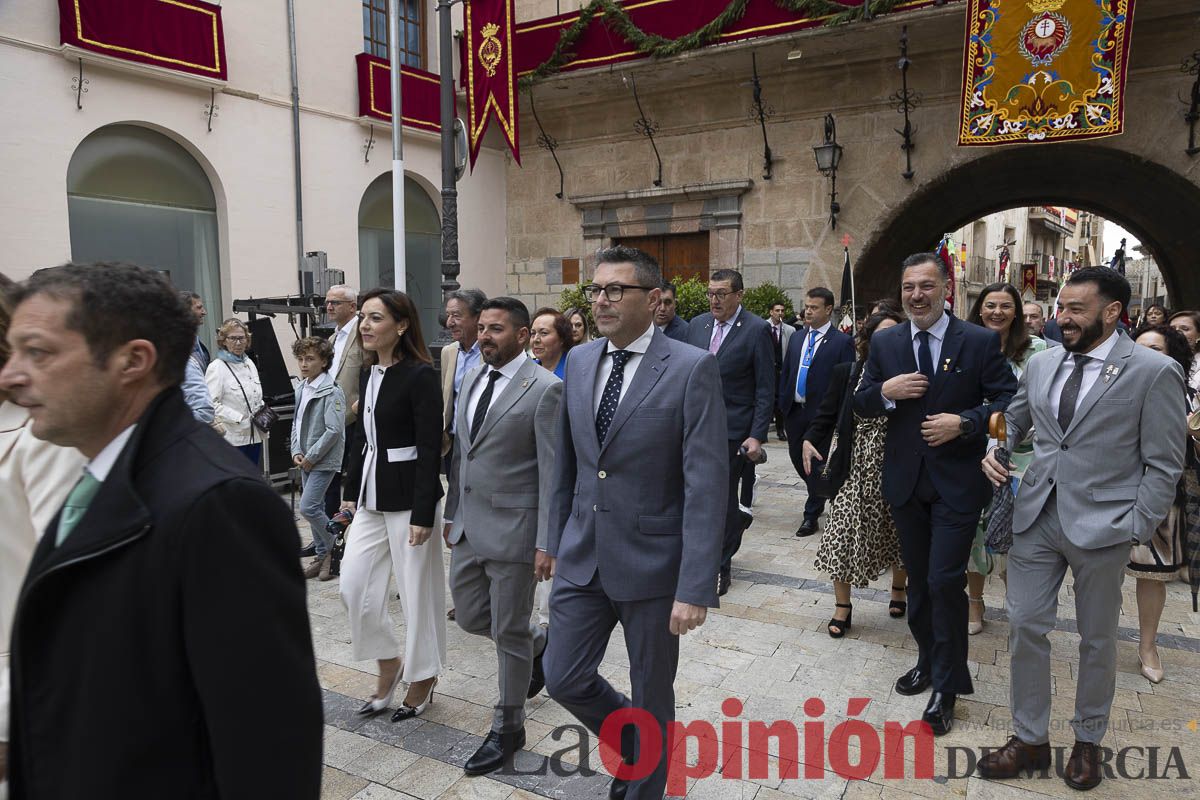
x=859, y=542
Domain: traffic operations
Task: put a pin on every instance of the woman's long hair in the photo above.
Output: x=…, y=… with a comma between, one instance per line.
x=862, y=342
x=399, y=308
x=587, y=329
x=1017, y=341
x=1194, y=316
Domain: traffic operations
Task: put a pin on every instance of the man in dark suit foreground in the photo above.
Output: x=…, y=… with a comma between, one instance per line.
x=808, y=363
x=638, y=509
x=161, y=647
x=741, y=342
x=938, y=379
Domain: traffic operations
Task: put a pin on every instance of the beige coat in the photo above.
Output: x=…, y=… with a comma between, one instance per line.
x=35, y=478
x=449, y=358
x=348, y=371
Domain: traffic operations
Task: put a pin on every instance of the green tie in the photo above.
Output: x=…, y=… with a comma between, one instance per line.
x=76, y=506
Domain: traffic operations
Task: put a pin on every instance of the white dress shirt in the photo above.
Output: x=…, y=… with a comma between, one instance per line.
x=467, y=359
x=340, y=337
x=937, y=335
x=507, y=373
x=638, y=348
x=729, y=323
x=366, y=492
x=102, y=464
x=1091, y=371
x=821, y=333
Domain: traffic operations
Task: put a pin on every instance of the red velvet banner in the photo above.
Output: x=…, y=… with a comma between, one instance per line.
x=599, y=45
x=419, y=90
x=182, y=35
x=490, y=72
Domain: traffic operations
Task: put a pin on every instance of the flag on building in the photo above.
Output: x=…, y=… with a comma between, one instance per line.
x=491, y=76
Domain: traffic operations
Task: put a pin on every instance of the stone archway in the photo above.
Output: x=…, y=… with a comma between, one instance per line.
x=1155, y=203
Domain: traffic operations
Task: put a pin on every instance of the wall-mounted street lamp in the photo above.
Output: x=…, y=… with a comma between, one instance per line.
x=829, y=156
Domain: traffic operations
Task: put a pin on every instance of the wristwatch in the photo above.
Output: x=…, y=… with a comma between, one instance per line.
x=966, y=426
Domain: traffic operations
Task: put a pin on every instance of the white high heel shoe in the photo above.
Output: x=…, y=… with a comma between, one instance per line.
x=408, y=712
x=377, y=705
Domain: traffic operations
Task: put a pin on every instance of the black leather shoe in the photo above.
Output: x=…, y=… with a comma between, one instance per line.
x=495, y=750
x=537, y=678
x=913, y=682
x=723, y=581
x=617, y=790
x=310, y=551
x=745, y=520
x=807, y=528
x=940, y=713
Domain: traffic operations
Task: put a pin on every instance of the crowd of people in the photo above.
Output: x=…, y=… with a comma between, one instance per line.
x=586, y=482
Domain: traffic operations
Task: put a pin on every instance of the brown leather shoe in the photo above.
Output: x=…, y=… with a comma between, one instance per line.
x=1015, y=758
x=313, y=569
x=1083, y=767
x=326, y=565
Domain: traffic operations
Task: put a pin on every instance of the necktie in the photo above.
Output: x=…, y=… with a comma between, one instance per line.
x=485, y=399
x=77, y=504
x=810, y=348
x=1070, y=393
x=714, y=345
x=775, y=328
x=924, y=354
x=612, y=393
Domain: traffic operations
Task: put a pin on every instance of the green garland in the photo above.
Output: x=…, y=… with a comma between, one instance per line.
x=619, y=22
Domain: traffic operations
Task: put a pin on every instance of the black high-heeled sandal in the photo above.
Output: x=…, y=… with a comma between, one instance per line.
x=898, y=608
x=838, y=627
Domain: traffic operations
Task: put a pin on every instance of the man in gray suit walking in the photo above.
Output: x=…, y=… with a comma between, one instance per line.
x=638, y=511
x=497, y=520
x=1078, y=506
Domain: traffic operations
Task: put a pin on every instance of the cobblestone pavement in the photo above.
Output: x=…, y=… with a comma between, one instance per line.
x=767, y=647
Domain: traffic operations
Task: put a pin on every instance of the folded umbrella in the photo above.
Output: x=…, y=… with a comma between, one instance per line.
x=999, y=524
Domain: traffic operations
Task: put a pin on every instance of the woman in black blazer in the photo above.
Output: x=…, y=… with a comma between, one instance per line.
x=859, y=542
x=393, y=483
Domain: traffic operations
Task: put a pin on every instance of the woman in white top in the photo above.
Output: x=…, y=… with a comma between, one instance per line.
x=235, y=389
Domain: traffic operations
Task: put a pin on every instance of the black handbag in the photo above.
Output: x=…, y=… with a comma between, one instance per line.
x=828, y=480
x=265, y=416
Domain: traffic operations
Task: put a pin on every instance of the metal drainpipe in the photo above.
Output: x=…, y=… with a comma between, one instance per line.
x=291, y=13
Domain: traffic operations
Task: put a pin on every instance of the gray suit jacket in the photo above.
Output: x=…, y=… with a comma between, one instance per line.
x=1116, y=467
x=648, y=508
x=506, y=477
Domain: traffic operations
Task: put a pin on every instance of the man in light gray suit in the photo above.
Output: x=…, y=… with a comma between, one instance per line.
x=638, y=511
x=1097, y=396
x=497, y=520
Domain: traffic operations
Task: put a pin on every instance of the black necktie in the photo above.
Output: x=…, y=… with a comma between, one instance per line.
x=1070, y=393
x=481, y=408
x=924, y=355
x=612, y=393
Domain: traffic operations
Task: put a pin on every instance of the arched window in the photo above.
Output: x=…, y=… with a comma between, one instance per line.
x=134, y=195
x=422, y=246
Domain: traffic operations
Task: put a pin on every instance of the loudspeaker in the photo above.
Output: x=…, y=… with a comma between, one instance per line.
x=272, y=371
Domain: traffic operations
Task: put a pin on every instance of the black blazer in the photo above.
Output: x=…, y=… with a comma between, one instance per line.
x=972, y=379
x=838, y=348
x=408, y=414
x=143, y=644
x=677, y=329
x=747, y=372
x=837, y=403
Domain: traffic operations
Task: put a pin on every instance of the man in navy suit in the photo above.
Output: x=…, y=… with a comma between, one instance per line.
x=664, y=316
x=938, y=380
x=809, y=360
x=741, y=341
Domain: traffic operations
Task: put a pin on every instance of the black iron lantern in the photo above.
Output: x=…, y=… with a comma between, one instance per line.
x=829, y=156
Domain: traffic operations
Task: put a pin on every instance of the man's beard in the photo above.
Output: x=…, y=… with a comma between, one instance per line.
x=1088, y=338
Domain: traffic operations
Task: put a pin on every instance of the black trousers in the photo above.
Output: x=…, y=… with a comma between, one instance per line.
x=734, y=528
x=797, y=426
x=935, y=543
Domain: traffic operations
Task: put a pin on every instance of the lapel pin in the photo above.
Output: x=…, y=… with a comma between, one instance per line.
x=524, y=383
x=739, y=325
x=1110, y=372
x=946, y=366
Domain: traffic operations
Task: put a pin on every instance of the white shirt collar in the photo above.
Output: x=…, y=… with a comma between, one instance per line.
x=474, y=348
x=321, y=380
x=102, y=464
x=1100, y=352
x=937, y=330
x=344, y=330
x=511, y=369
x=824, y=329
x=638, y=345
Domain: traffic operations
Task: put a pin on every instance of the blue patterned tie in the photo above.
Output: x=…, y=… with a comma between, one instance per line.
x=612, y=393
x=805, y=362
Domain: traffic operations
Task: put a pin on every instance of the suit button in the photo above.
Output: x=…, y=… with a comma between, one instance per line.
x=470, y=456
x=595, y=508
x=1064, y=447
x=467, y=490
x=602, y=474
x=1050, y=481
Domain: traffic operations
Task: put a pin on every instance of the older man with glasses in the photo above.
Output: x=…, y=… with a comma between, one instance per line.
x=341, y=308
x=741, y=341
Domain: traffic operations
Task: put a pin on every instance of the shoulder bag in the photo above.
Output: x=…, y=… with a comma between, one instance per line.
x=836, y=468
x=265, y=416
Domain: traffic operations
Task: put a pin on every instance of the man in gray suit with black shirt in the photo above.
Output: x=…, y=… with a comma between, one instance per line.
x=638, y=510
x=1096, y=397
x=497, y=520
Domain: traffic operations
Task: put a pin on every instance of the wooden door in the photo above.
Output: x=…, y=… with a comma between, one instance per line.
x=681, y=255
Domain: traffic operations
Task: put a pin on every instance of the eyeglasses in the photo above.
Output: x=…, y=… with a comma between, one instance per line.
x=614, y=291
x=235, y=338
x=721, y=295
x=338, y=302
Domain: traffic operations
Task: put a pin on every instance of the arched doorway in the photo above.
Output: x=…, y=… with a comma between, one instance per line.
x=1152, y=201
x=422, y=246
x=134, y=195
